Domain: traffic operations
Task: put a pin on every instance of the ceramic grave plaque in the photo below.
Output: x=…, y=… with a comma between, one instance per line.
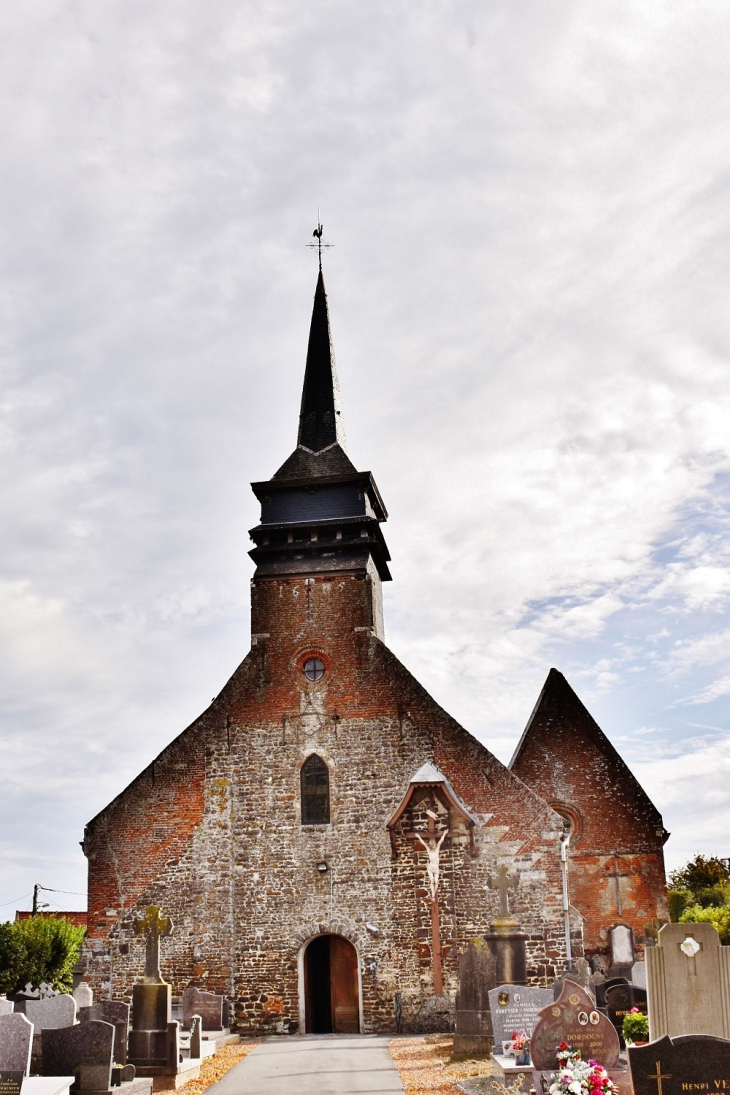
x=676, y=1066
x=573, y=1018
x=515, y=1007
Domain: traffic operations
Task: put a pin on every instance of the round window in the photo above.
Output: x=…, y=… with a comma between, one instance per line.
x=314, y=669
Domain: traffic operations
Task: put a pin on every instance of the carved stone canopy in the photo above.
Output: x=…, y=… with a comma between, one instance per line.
x=430, y=778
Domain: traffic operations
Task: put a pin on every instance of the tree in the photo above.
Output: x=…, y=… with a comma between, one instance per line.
x=42, y=948
x=700, y=874
x=718, y=916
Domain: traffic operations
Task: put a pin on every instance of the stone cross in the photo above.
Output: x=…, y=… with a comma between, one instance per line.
x=153, y=927
x=618, y=875
x=503, y=883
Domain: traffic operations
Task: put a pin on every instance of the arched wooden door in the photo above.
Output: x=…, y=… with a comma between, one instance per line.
x=331, y=998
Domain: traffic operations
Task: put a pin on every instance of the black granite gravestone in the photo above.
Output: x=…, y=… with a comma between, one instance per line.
x=10, y=1082
x=477, y=975
x=695, y=1063
x=115, y=1012
x=84, y=1051
x=620, y=999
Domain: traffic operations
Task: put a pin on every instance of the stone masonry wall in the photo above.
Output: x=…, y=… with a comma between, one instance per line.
x=212, y=833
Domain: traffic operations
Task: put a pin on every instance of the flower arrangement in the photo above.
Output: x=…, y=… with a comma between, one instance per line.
x=579, y=1077
x=518, y=1041
x=635, y=1026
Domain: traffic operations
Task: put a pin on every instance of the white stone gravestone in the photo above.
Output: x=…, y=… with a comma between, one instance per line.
x=688, y=982
x=83, y=995
x=638, y=975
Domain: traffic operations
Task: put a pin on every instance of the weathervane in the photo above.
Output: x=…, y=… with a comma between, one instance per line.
x=318, y=236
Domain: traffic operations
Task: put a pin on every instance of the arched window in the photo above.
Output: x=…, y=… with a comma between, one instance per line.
x=315, y=785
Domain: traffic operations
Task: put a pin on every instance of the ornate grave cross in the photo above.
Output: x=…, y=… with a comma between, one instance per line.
x=433, y=849
x=618, y=875
x=658, y=1076
x=503, y=882
x=153, y=927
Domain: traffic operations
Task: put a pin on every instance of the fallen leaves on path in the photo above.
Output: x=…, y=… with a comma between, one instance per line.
x=214, y=1068
x=425, y=1068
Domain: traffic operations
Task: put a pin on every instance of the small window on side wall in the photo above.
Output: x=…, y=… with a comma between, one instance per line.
x=315, y=788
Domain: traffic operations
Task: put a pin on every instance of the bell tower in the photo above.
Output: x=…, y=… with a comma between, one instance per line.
x=320, y=516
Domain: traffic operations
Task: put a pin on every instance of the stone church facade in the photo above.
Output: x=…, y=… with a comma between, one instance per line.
x=289, y=831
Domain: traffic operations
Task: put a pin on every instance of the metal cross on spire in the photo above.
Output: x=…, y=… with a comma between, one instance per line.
x=319, y=245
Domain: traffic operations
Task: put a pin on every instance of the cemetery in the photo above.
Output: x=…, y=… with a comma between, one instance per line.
x=54, y=1043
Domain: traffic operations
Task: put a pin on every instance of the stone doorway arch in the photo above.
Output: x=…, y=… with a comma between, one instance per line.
x=331, y=986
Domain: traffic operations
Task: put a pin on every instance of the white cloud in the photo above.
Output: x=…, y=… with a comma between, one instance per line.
x=529, y=206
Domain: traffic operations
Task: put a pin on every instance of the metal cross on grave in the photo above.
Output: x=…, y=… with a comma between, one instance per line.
x=503, y=882
x=433, y=849
x=618, y=875
x=153, y=927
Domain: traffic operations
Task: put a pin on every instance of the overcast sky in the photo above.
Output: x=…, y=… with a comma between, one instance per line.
x=530, y=206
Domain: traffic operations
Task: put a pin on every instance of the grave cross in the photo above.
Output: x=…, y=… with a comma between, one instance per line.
x=618, y=875
x=658, y=1076
x=153, y=927
x=433, y=849
x=503, y=883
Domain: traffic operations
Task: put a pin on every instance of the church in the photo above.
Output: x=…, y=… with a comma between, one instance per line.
x=325, y=838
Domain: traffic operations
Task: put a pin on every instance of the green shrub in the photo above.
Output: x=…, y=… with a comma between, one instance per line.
x=678, y=900
x=635, y=1027
x=42, y=948
x=719, y=916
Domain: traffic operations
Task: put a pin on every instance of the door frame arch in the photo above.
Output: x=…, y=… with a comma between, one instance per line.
x=301, y=979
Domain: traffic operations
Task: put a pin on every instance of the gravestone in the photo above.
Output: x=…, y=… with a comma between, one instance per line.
x=638, y=974
x=579, y=975
x=515, y=1008
x=675, y=1066
x=51, y=1013
x=84, y=1052
x=620, y=999
x=208, y=1005
x=623, y=955
x=505, y=940
x=16, y=1040
x=574, y=1018
x=688, y=982
x=196, y=1033
x=83, y=995
x=10, y=1082
x=115, y=1012
x=7, y=1007
x=477, y=975
x=604, y=986
x=149, y=1038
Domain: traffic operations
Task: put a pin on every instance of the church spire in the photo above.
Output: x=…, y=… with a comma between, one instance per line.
x=320, y=416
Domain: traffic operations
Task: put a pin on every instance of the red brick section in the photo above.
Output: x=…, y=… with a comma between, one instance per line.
x=211, y=830
x=80, y=919
x=566, y=758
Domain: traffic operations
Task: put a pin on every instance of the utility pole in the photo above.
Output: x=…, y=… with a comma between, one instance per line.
x=36, y=888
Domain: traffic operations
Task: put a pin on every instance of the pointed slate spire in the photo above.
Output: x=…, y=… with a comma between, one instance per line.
x=320, y=417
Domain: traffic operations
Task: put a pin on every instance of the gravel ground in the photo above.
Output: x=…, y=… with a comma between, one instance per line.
x=425, y=1068
x=214, y=1068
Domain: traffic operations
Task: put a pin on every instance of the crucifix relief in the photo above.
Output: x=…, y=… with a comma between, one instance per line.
x=433, y=851
x=153, y=927
x=503, y=882
x=618, y=875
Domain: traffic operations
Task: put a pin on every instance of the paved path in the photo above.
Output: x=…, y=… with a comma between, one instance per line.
x=315, y=1064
